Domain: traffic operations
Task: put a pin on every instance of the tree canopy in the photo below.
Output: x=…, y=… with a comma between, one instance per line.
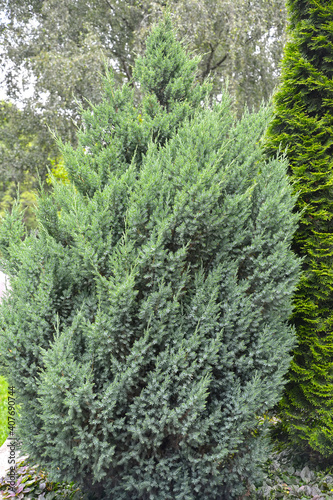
x=63, y=45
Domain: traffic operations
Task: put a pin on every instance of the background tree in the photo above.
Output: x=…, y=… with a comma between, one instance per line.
x=241, y=43
x=63, y=45
x=147, y=319
x=303, y=124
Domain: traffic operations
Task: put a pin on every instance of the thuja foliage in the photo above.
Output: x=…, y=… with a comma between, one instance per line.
x=146, y=331
x=303, y=124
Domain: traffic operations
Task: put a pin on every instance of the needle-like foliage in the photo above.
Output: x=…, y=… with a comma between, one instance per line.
x=146, y=331
x=304, y=125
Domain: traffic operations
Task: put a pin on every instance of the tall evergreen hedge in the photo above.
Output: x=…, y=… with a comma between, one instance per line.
x=304, y=125
x=146, y=331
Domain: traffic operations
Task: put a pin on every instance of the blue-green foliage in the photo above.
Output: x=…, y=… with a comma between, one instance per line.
x=146, y=331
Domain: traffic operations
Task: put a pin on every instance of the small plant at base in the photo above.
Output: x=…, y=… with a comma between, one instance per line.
x=33, y=484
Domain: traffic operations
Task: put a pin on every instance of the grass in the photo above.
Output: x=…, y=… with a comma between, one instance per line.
x=3, y=410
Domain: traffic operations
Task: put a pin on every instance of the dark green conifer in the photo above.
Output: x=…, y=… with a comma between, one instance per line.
x=146, y=331
x=304, y=125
